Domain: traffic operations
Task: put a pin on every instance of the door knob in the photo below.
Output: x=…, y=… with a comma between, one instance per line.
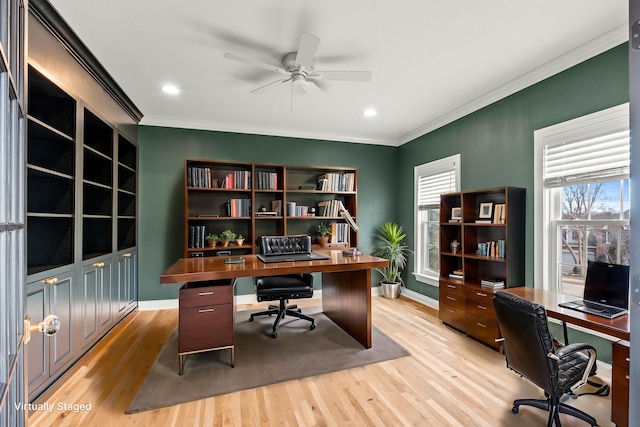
x=49, y=326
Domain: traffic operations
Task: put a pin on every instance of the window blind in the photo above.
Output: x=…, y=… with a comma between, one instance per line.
x=431, y=186
x=603, y=158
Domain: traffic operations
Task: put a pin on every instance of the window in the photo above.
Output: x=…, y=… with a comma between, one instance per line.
x=430, y=180
x=581, y=198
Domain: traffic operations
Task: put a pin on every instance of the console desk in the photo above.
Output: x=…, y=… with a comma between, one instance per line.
x=617, y=328
x=346, y=282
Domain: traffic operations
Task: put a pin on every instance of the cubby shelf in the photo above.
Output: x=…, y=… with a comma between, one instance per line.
x=263, y=186
x=465, y=303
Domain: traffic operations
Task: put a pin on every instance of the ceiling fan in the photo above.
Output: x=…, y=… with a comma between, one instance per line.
x=299, y=68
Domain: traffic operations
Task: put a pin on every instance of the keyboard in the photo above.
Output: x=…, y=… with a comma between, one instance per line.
x=596, y=308
x=313, y=256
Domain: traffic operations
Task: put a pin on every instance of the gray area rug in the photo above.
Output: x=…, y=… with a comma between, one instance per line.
x=298, y=352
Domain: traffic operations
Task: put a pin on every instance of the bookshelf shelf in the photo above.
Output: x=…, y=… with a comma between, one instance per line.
x=465, y=303
x=268, y=187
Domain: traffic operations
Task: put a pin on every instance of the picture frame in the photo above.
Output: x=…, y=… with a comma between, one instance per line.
x=486, y=209
x=456, y=214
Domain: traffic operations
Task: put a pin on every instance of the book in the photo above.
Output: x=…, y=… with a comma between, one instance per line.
x=456, y=276
x=492, y=283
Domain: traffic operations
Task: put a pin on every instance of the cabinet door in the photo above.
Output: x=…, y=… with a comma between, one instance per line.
x=46, y=355
x=124, y=293
x=95, y=300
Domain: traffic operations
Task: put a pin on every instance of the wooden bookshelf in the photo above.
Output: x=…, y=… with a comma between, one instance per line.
x=257, y=199
x=492, y=217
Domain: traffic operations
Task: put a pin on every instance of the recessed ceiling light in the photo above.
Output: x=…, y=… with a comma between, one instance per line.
x=370, y=112
x=171, y=89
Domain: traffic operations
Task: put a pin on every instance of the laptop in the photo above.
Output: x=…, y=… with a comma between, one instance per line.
x=606, y=291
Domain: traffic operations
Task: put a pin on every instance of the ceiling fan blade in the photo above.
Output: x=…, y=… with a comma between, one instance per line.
x=307, y=49
x=269, y=86
x=249, y=61
x=312, y=88
x=345, y=76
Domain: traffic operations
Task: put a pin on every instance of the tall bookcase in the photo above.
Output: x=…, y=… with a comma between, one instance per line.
x=489, y=226
x=256, y=199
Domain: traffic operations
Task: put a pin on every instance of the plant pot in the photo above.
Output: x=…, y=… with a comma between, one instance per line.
x=324, y=241
x=225, y=242
x=239, y=242
x=390, y=290
x=212, y=243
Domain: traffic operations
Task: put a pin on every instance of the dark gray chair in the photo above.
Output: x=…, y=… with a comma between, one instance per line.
x=529, y=351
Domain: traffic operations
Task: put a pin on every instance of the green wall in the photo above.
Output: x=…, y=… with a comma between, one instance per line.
x=496, y=142
x=162, y=152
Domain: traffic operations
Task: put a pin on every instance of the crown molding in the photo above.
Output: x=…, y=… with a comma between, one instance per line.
x=150, y=120
x=586, y=51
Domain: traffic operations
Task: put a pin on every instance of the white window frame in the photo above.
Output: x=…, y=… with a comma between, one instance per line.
x=427, y=169
x=609, y=121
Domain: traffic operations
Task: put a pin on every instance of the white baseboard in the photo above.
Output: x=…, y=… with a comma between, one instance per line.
x=422, y=299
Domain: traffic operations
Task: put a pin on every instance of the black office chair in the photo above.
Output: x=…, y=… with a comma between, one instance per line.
x=284, y=288
x=529, y=350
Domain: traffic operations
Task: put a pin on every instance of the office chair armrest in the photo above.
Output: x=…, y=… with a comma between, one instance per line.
x=572, y=348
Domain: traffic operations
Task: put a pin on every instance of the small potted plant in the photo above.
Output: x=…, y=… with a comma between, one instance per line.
x=212, y=239
x=227, y=236
x=390, y=246
x=323, y=234
x=240, y=240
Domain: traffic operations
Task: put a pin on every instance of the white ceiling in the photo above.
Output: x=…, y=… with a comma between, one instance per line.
x=432, y=60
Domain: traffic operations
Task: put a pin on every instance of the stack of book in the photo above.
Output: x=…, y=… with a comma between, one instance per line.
x=492, y=283
x=336, y=181
x=456, y=274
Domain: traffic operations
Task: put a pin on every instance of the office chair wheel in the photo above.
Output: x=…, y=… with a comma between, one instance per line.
x=274, y=335
x=514, y=409
x=313, y=326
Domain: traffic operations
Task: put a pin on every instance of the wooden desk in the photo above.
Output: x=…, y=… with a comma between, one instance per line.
x=618, y=328
x=346, y=282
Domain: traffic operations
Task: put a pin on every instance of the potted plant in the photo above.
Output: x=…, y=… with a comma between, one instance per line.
x=227, y=236
x=323, y=234
x=390, y=246
x=240, y=240
x=212, y=239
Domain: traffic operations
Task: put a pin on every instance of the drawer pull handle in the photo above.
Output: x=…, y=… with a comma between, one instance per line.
x=50, y=281
x=451, y=286
x=481, y=325
x=205, y=310
x=450, y=311
x=482, y=307
x=201, y=294
x=98, y=264
x=481, y=294
x=451, y=298
x=127, y=255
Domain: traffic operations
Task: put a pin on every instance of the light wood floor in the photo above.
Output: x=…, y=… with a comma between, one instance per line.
x=449, y=380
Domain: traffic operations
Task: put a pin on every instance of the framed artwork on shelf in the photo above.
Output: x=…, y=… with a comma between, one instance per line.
x=456, y=214
x=485, y=210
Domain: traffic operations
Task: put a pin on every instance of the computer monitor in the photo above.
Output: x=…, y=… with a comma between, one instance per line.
x=607, y=284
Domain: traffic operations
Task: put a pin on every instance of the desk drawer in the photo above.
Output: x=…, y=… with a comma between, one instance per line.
x=209, y=293
x=207, y=327
x=453, y=288
x=483, y=330
x=481, y=309
x=452, y=299
x=453, y=316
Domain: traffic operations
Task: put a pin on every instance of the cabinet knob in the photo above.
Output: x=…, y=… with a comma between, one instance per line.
x=98, y=264
x=127, y=255
x=50, y=281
